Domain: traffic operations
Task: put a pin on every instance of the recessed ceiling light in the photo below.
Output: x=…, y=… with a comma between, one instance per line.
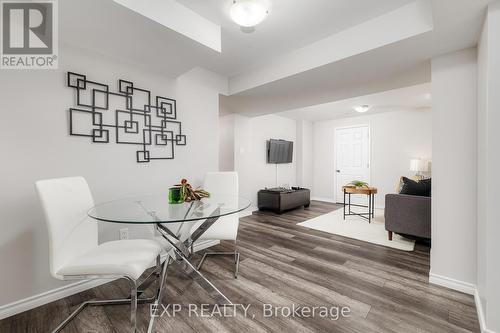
x=248, y=13
x=362, y=108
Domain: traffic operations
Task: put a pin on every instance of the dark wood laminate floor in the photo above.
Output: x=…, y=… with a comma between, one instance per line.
x=283, y=264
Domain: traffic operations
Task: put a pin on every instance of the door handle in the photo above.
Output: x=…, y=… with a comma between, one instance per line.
x=338, y=171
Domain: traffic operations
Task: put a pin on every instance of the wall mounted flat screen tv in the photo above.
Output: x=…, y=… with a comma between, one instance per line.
x=279, y=151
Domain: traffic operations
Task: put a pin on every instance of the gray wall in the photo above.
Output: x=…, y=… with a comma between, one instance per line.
x=454, y=108
x=35, y=145
x=488, y=232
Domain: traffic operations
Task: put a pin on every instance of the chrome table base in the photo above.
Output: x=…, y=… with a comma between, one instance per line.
x=182, y=242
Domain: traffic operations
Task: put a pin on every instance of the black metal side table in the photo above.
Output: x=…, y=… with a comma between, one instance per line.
x=368, y=191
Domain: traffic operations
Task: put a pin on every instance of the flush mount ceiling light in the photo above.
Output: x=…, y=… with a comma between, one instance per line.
x=248, y=13
x=362, y=108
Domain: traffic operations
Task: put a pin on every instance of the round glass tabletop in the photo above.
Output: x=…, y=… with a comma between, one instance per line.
x=157, y=209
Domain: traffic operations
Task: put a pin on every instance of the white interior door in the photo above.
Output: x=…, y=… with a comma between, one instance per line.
x=352, y=158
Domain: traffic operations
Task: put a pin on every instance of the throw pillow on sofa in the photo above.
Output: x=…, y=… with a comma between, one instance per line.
x=420, y=188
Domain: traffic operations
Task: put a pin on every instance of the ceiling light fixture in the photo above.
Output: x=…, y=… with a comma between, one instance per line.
x=248, y=13
x=362, y=108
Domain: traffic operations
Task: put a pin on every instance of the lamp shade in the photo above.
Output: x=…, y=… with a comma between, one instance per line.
x=419, y=165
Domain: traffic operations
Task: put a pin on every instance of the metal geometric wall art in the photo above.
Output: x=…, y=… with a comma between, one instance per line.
x=129, y=114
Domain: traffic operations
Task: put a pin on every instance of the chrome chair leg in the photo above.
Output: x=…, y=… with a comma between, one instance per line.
x=237, y=263
x=133, y=300
x=234, y=253
x=159, y=292
x=133, y=306
x=70, y=317
x=144, y=285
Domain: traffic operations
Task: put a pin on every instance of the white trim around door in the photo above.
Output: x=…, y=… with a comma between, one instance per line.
x=354, y=143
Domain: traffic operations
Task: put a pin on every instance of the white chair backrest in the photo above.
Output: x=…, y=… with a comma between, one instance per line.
x=222, y=183
x=225, y=184
x=65, y=202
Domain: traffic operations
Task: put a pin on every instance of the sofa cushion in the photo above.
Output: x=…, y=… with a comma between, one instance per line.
x=420, y=188
x=408, y=214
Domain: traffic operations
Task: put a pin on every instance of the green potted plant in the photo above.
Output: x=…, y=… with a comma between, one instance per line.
x=358, y=183
x=187, y=193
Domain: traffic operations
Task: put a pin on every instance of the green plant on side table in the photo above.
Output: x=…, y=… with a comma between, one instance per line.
x=358, y=183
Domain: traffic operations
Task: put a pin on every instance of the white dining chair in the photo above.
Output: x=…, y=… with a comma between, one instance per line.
x=74, y=252
x=224, y=184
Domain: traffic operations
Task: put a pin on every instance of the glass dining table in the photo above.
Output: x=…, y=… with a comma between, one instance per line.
x=180, y=225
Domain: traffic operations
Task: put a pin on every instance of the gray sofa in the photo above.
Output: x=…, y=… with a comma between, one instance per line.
x=408, y=215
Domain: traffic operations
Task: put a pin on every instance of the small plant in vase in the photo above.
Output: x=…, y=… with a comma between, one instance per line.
x=189, y=194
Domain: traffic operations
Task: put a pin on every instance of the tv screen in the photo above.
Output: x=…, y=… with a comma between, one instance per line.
x=279, y=151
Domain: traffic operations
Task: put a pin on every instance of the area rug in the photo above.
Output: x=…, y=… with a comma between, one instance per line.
x=358, y=228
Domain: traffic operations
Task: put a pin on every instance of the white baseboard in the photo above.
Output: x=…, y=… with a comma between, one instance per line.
x=443, y=281
x=329, y=200
x=480, y=313
x=34, y=301
x=467, y=288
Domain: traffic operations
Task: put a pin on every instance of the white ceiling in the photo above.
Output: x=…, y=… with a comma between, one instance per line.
x=110, y=29
x=306, y=52
x=114, y=30
x=291, y=24
x=456, y=25
x=409, y=98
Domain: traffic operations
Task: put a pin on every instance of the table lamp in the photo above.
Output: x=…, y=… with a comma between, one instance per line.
x=418, y=166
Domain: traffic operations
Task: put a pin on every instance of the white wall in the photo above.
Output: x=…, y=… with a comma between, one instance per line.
x=453, y=253
x=251, y=135
x=226, y=142
x=396, y=138
x=304, y=153
x=488, y=228
x=35, y=144
x=482, y=160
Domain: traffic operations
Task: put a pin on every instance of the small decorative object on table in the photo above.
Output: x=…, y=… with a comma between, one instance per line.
x=186, y=193
x=357, y=183
x=174, y=195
